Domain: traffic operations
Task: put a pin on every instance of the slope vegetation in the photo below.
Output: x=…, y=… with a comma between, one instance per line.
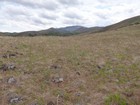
x=91, y=69
x=124, y=23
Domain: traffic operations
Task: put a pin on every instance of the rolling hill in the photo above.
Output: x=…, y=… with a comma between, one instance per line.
x=124, y=23
x=65, y=31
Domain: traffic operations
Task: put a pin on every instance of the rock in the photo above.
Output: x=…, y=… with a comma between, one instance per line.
x=54, y=66
x=6, y=67
x=11, y=66
x=10, y=54
x=50, y=103
x=11, y=80
x=78, y=73
x=4, y=56
x=61, y=79
x=34, y=103
x=79, y=94
x=128, y=94
x=57, y=79
x=101, y=63
x=14, y=98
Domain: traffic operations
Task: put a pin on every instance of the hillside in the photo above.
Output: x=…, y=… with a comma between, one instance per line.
x=124, y=23
x=91, y=69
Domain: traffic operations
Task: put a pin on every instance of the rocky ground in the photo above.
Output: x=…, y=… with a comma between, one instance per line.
x=94, y=69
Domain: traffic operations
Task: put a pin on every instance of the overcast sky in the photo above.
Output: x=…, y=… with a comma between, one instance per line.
x=25, y=15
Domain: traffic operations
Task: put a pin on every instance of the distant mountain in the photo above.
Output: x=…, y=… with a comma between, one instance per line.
x=65, y=31
x=71, y=28
x=76, y=30
x=124, y=23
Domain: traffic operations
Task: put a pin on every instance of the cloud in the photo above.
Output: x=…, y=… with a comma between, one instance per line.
x=69, y=2
x=26, y=15
x=72, y=15
x=48, y=16
x=47, y=4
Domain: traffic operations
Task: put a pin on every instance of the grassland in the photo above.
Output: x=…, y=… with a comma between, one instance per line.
x=97, y=69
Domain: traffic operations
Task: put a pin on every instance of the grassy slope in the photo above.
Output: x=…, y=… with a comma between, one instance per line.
x=118, y=81
x=127, y=22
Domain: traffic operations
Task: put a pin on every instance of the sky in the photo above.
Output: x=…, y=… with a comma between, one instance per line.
x=28, y=15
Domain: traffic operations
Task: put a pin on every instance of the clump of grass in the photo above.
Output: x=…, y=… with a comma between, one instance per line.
x=115, y=99
x=47, y=74
x=41, y=101
x=57, y=92
x=23, y=46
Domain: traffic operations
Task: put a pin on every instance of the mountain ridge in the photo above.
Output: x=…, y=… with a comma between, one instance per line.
x=76, y=30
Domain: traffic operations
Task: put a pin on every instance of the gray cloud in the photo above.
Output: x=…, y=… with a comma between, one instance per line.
x=69, y=2
x=101, y=16
x=48, y=16
x=70, y=21
x=72, y=15
x=50, y=5
x=15, y=12
x=38, y=22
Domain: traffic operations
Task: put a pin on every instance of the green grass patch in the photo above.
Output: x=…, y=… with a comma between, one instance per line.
x=115, y=99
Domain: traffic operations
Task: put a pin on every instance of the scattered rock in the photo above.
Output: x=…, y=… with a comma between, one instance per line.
x=57, y=80
x=100, y=66
x=10, y=54
x=128, y=94
x=101, y=63
x=34, y=103
x=50, y=103
x=11, y=80
x=14, y=98
x=6, y=67
x=79, y=94
x=54, y=66
x=78, y=73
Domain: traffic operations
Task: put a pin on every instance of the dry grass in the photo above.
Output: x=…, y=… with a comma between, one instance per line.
x=76, y=59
